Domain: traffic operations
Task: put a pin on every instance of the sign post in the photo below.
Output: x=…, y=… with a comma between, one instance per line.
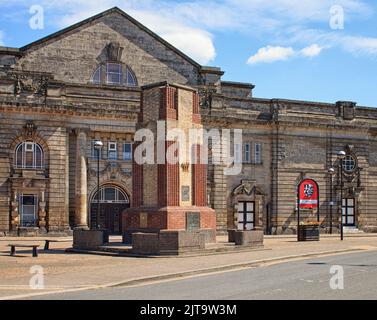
x=307, y=197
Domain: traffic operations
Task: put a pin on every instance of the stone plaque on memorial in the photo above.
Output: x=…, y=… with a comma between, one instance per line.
x=192, y=221
x=143, y=220
x=185, y=193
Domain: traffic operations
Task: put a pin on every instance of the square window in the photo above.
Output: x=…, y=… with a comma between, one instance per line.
x=29, y=146
x=247, y=156
x=258, y=153
x=127, y=151
x=112, y=151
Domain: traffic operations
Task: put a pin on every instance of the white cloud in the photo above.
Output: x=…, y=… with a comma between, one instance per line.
x=189, y=24
x=357, y=45
x=271, y=54
x=1, y=38
x=312, y=51
x=195, y=42
x=360, y=45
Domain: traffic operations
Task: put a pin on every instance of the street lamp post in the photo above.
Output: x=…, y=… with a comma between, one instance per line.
x=341, y=155
x=98, y=147
x=331, y=172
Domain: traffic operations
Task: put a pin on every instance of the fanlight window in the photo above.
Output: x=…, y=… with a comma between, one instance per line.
x=111, y=194
x=97, y=75
x=130, y=78
x=29, y=155
x=114, y=74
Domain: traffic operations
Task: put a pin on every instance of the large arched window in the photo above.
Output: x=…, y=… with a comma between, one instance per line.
x=29, y=155
x=114, y=73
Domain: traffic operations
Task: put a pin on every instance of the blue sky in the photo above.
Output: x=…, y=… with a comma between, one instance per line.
x=319, y=50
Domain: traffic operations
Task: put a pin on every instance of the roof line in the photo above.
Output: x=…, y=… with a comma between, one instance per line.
x=102, y=14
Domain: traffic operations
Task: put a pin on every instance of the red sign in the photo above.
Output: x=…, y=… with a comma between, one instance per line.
x=309, y=194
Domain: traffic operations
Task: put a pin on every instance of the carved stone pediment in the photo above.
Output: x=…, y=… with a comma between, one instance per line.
x=248, y=188
x=113, y=170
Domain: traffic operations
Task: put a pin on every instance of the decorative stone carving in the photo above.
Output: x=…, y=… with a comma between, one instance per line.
x=346, y=109
x=114, y=51
x=185, y=167
x=30, y=82
x=274, y=111
x=205, y=95
x=29, y=130
x=113, y=170
x=248, y=188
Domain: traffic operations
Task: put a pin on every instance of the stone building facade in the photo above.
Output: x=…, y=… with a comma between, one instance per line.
x=61, y=93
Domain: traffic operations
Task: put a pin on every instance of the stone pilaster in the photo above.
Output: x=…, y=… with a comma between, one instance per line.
x=15, y=220
x=219, y=190
x=81, y=209
x=42, y=212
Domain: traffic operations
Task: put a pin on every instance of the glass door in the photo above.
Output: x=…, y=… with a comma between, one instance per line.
x=28, y=210
x=246, y=215
x=348, y=212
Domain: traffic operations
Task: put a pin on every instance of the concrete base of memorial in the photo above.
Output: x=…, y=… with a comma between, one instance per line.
x=156, y=220
x=168, y=242
x=252, y=238
x=89, y=239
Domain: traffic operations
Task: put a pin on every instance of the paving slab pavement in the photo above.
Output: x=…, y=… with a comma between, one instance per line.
x=63, y=271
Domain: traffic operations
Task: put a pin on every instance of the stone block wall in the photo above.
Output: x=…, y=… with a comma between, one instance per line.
x=52, y=136
x=74, y=57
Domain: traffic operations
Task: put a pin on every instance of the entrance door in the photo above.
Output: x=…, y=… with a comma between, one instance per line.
x=348, y=212
x=28, y=204
x=113, y=201
x=246, y=215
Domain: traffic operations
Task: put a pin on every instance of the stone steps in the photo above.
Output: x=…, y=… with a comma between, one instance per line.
x=352, y=230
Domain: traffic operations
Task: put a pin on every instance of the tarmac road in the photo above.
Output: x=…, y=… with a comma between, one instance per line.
x=305, y=279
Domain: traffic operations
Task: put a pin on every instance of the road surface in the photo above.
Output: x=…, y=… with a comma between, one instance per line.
x=305, y=279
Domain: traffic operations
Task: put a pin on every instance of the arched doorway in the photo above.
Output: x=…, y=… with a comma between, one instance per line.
x=113, y=201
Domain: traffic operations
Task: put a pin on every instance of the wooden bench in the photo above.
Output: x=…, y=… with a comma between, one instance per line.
x=14, y=246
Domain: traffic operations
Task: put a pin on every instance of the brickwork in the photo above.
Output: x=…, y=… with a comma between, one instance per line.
x=199, y=183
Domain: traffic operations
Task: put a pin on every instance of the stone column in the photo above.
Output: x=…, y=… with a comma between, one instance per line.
x=81, y=207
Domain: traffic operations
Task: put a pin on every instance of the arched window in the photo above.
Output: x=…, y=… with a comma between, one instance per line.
x=114, y=73
x=111, y=194
x=29, y=155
